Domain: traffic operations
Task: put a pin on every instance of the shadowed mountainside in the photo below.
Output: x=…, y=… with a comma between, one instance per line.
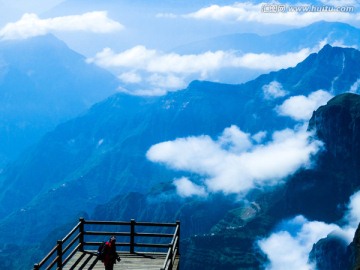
x=97, y=157
x=44, y=83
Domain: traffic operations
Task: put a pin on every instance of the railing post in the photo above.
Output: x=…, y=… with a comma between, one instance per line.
x=36, y=266
x=81, y=236
x=171, y=259
x=132, y=236
x=59, y=254
x=178, y=242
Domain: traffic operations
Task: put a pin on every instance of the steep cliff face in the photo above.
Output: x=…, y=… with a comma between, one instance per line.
x=330, y=253
x=338, y=123
x=354, y=251
x=336, y=176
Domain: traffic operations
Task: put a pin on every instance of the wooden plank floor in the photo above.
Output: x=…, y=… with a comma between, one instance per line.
x=87, y=260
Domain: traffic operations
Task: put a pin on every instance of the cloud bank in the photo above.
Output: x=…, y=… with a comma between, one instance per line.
x=289, y=247
x=300, y=108
x=292, y=15
x=236, y=162
x=172, y=71
x=142, y=58
x=30, y=25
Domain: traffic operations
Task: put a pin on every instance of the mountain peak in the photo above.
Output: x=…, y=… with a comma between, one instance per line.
x=327, y=24
x=43, y=41
x=347, y=103
x=348, y=100
x=44, y=82
x=333, y=49
x=327, y=47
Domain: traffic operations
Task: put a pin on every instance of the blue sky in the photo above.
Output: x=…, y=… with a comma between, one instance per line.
x=137, y=40
x=164, y=24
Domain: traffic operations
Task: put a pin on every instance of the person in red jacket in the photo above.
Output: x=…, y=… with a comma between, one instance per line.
x=110, y=254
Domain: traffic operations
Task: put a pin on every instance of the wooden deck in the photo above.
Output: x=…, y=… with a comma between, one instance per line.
x=76, y=249
x=150, y=261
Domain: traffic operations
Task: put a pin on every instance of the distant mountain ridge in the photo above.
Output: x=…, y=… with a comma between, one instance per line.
x=283, y=42
x=100, y=155
x=43, y=83
x=104, y=150
x=294, y=41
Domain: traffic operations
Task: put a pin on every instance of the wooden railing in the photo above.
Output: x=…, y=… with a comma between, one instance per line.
x=77, y=240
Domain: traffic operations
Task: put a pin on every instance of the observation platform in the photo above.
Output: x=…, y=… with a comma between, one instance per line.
x=137, y=261
x=141, y=245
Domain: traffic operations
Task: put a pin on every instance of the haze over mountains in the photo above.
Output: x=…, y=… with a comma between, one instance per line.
x=43, y=83
x=46, y=69
x=109, y=162
x=283, y=42
x=234, y=58
x=199, y=152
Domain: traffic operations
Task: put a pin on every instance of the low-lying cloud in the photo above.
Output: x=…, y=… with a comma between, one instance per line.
x=355, y=87
x=301, y=107
x=30, y=25
x=142, y=58
x=277, y=13
x=186, y=188
x=237, y=162
x=274, y=90
x=289, y=247
x=173, y=71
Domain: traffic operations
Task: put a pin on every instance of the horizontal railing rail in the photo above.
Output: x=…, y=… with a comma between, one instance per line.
x=74, y=241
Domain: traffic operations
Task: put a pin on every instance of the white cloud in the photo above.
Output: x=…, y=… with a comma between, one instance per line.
x=186, y=188
x=235, y=164
x=130, y=77
x=263, y=13
x=139, y=57
x=234, y=140
x=273, y=90
x=355, y=87
x=259, y=137
x=339, y=2
x=301, y=107
x=169, y=71
x=31, y=25
x=289, y=247
x=136, y=57
x=265, y=61
x=167, y=81
x=144, y=91
x=216, y=12
x=353, y=213
x=166, y=15
x=290, y=250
